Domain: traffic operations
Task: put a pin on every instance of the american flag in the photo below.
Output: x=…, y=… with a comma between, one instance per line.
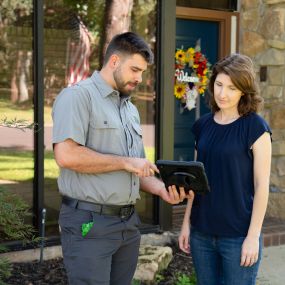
x=78, y=53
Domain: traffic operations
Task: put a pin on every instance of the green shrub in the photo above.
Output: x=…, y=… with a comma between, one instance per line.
x=5, y=270
x=183, y=279
x=12, y=226
x=13, y=211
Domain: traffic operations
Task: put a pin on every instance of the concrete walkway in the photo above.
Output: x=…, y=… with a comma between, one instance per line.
x=272, y=267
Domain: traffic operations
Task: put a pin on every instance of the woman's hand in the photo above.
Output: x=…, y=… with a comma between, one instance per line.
x=185, y=228
x=249, y=251
x=184, y=237
x=190, y=197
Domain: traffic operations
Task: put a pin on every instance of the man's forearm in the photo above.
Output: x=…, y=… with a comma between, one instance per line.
x=151, y=185
x=84, y=160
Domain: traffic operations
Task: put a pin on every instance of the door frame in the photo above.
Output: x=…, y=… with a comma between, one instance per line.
x=228, y=26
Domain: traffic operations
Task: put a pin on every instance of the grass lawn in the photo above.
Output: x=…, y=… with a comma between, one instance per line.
x=22, y=111
x=19, y=165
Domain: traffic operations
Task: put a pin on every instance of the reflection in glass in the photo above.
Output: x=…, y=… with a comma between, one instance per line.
x=144, y=23
x=16, y=98
x=75, y=37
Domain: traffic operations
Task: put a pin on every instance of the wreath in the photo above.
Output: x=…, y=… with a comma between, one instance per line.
x=192, y=71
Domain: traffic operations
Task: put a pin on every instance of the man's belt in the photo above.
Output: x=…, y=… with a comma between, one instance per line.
x=123, y=212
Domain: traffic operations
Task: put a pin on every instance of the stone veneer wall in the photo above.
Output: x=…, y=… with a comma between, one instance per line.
x=262, y=37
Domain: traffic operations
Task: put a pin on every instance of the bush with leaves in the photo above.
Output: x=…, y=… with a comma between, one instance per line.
x=12, y=226
x=5, y=267
x=12, y=219
x=183, y=279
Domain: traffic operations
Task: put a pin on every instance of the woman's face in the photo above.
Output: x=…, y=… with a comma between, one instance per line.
x=226, y=94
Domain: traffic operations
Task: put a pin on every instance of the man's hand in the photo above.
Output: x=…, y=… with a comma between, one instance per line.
x=140, y=166
x=172, y=196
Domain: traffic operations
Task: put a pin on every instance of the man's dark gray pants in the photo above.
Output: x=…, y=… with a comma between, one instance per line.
x=107, y=255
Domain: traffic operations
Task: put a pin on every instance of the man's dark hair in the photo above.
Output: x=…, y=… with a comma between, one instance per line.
x=128, y=44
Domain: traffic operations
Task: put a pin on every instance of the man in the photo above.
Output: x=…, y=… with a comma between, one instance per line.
x=98, y=145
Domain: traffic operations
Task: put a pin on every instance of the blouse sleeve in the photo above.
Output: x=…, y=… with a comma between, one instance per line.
x=257, y=127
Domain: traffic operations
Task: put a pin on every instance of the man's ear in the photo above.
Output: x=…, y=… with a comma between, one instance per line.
x=114, y=61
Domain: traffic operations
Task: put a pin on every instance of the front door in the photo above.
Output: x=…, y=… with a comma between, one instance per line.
x=216, y=34
x=188, y=34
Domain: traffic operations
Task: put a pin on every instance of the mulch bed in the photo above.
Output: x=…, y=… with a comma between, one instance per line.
x=181, y=263
x=52, y=272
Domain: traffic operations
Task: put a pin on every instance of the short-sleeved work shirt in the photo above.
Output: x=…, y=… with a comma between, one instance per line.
x=94, y=115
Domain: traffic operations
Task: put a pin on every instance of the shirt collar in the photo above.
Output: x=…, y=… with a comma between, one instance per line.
x=103, y=87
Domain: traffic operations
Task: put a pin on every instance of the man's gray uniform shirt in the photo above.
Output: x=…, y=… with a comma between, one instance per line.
x=94, y=115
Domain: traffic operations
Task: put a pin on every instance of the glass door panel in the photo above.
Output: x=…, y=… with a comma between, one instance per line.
x=74, y=39
x=16, y=99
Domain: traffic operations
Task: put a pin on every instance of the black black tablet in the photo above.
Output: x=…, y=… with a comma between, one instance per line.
x=188, y=174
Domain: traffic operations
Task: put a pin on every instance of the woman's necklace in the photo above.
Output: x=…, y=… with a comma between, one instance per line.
x=219, y=118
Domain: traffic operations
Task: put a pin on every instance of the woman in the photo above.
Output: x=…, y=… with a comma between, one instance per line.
x=234, y=143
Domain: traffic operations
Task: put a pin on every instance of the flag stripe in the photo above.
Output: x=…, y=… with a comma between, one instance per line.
x=79, y=53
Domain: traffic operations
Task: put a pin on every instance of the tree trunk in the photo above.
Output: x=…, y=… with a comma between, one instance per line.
x=117, y=21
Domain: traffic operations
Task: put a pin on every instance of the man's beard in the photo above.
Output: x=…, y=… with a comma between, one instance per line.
x=121, y=85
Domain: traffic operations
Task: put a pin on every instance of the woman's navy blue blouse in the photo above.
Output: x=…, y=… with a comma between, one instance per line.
x=226, y=153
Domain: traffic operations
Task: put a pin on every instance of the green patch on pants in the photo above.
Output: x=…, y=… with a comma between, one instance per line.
x=85, y=228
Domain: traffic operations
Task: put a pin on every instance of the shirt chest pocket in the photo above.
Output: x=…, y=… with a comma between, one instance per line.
x=137, y=149
x=102, y=135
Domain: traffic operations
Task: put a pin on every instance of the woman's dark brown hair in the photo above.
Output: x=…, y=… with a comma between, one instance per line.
x=241, y=71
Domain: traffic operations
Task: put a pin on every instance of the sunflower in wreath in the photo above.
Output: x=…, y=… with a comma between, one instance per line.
x=192, y=71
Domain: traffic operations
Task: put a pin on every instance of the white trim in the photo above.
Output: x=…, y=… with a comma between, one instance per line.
x=233, y=34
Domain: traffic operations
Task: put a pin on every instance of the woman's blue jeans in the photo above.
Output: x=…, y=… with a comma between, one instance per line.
x=217, y=260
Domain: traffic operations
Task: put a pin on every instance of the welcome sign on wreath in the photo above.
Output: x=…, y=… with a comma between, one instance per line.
x=192, y=71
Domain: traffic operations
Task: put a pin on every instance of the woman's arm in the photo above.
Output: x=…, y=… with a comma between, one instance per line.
x=262, y=162
x=185, y=228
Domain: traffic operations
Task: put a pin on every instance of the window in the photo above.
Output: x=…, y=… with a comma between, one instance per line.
x=16, y=98
x=75, y=37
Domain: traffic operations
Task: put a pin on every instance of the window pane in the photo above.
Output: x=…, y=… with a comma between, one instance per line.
x=16, y=98
x=144, y=23
x=75, y=37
